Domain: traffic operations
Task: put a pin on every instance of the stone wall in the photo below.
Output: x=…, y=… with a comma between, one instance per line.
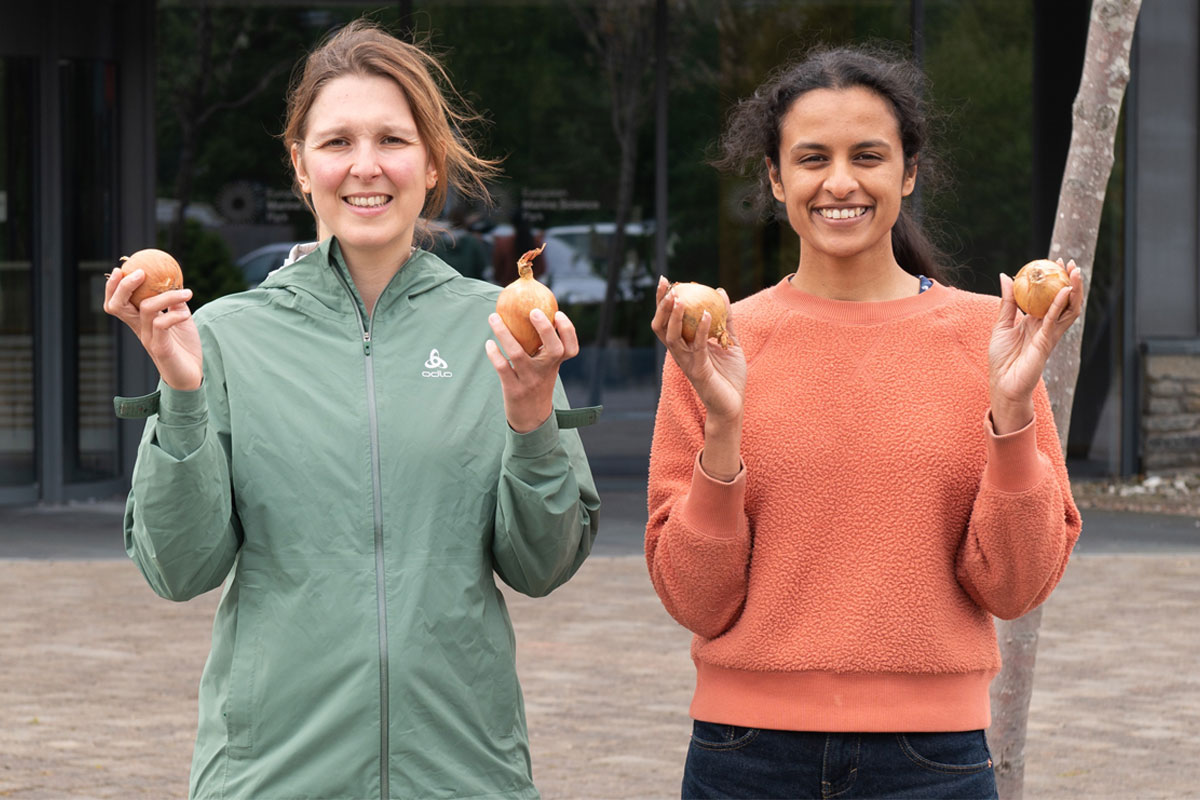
x=1171, y=405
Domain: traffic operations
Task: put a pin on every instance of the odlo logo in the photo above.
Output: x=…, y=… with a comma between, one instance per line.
x=436, y=366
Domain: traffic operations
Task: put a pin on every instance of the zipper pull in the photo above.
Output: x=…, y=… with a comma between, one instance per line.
x=366, y=343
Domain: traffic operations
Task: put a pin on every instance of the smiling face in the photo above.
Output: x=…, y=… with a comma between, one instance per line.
x=364, y=165
x=841, y=176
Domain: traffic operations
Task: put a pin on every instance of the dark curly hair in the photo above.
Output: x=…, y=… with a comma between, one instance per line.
x=750, y=143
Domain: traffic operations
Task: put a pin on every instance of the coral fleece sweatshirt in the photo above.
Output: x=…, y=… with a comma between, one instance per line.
x=846, y=579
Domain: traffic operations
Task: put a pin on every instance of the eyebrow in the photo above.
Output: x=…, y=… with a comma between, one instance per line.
x=870, y=144
x=344, y=129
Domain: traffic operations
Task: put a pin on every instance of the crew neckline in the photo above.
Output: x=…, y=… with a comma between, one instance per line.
x=854, y=312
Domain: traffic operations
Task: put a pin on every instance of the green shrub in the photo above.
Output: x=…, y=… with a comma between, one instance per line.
x=208, y=268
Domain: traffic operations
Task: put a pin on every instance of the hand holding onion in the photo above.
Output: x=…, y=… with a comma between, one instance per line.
x=1021, y=344
x=537, y=338
x=717, y=371
x=146, y=293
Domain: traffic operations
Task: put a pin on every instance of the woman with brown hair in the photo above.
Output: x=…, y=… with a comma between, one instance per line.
x=357, y=448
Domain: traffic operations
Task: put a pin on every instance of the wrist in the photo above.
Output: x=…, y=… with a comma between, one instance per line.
x=1011, y=417
x=721, y=467
x=526, y=421
x=722, y=424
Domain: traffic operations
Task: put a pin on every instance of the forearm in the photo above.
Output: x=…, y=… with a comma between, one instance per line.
x=1023, y=525
x=180, y=528
x=698, y=548
x=546, y=510
x=721, y=457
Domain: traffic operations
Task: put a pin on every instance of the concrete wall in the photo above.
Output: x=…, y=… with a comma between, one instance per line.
x=1165, y=204
x=1166, y=72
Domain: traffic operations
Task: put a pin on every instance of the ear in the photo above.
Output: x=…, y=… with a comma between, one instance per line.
x=776, y=180
x=298, y=166
x=431, y=175
x=910, y=179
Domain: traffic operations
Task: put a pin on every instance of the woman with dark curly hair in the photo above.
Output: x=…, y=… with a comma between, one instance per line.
x=842, y=499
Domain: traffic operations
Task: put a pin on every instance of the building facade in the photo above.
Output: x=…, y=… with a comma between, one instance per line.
x=90, y=165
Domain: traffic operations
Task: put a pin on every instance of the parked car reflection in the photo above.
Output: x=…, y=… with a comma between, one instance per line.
x=259, y=263
x=577, y=261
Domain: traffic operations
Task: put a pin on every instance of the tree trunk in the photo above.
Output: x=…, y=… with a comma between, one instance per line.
x=1096, y=111
x=616, y=260
x=621, y=33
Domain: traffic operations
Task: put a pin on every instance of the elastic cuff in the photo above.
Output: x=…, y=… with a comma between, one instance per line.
x=182, y=408
x=537, y=443
x=1014, y=462
x=713, y=507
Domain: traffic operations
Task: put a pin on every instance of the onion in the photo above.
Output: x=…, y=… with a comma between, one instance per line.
x=162, y=273
x=696, y=298
x=522, y=296
x=1037, y=284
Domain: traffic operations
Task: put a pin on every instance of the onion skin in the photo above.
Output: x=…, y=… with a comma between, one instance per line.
x=522, y=296
x=162, y=273
x=696, y=298
x=1037, y=284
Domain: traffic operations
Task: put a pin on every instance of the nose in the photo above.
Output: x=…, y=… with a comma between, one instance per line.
x=366, y=162
x=840, y=181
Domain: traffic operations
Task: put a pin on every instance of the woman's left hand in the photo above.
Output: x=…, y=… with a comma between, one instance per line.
x=527, y=381
x=1021, y=346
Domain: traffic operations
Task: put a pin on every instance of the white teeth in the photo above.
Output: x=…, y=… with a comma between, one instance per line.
x=367, y=202
x=842, y=213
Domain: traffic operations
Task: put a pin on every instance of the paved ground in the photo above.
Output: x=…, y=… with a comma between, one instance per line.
x=98, y=676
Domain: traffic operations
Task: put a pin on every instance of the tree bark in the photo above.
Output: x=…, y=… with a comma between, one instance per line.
x=1096, y=111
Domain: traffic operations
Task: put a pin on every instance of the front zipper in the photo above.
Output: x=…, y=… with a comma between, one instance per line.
x=380, y=573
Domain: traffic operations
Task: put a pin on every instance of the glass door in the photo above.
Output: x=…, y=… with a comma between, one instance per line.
x=18, y=466
x=89, y=225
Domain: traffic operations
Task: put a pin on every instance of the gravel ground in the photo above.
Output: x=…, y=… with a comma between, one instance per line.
x=98, y=683
x=1166, y=493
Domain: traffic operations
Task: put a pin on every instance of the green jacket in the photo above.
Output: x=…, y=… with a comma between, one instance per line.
x=355, y=485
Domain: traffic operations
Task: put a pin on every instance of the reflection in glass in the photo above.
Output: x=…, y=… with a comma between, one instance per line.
x=17, y=409
x=89, y=136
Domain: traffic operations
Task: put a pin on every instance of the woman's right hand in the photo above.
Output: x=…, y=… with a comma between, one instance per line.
x=164, y=326
x=718, y=375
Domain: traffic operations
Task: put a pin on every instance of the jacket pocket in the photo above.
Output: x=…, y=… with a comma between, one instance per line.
x=242, y=699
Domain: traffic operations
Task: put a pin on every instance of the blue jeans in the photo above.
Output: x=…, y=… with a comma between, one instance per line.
x=728, y=761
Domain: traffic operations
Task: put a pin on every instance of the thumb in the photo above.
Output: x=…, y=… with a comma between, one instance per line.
x=1007, y=315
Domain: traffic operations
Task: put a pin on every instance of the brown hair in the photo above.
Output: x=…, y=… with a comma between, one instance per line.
x=362, y=48
x=751, y=139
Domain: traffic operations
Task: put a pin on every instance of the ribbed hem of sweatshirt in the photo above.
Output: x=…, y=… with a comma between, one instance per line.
x=1014, y=463
x=714, y=507
x=842, y=702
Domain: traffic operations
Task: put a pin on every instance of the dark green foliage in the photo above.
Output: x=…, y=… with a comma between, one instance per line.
x=208, y=269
